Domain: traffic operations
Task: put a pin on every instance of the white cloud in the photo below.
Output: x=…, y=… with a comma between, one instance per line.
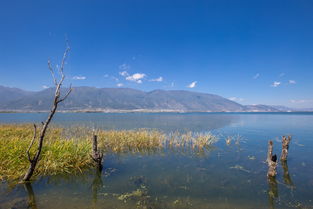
x=45, y=87
x=275, y=84
x=119, y=85
x=124, y=67
x=192, y=85
x=79, y=78
x=124, y=73
x=106, y=76
x=137, y=77
x=160, y=79
x=256, y=76
x=292, y=82
x=236, y=99
x=282, y=75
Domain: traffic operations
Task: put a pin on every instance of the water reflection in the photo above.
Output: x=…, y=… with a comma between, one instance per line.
x=150, y=182
x=272, y=191
x=31, y=196
x=287, y=178
x=96, y=186
x=164, y=121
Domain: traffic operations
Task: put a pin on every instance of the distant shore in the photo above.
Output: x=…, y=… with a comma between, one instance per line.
x=143, y=111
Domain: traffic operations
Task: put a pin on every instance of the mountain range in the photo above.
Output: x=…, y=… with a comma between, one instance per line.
x=91, y=99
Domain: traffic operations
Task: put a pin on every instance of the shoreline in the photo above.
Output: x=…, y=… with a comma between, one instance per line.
x=144, y=111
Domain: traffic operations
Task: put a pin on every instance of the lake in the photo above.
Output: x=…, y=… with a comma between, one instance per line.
x=224, y=176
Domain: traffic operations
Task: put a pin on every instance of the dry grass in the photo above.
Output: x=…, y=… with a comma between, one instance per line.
x=58, y=155
x=67, y=150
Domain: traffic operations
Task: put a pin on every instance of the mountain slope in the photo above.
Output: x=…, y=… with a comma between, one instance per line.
x=8, y=94
x=90, y=98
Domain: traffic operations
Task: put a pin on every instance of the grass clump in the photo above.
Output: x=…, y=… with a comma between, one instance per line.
x=68, y=150
x=59, y=155
x=131, y=140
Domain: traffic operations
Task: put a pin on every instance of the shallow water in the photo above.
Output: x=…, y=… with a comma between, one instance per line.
x=225, y=176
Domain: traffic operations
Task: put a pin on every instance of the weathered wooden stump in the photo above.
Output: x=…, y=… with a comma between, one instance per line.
x=96, y=154
x=285, y=147
x=271, y=161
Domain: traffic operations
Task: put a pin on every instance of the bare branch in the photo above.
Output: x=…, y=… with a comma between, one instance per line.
x=52, y=73
x=63, y=62
x=66, y=95
x=31, y=143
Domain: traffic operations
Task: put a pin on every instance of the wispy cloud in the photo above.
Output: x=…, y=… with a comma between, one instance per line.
x=192, y=85
x=236, y=99
x=45, y=87
x=124, y=73
x=282, y=75
x=159, y=79
x=137, y=77
x=119, y=85
x=256, y=76
x=124, y=67
x=79, y=78
x=106, y=75
x=275, y=84
x=299, y=101
x=115, y=79
x=292, y=82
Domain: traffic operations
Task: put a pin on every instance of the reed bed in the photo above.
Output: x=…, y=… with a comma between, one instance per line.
x=67, y=150
x=58, y=155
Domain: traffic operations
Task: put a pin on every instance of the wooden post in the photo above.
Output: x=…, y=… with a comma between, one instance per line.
x=271, y=161
x=96, y=154
x=285, y=147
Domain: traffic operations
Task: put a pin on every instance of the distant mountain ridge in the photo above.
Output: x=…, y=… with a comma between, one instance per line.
x=123, y=99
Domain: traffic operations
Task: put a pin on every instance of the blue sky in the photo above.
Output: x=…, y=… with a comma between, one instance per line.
x=254, y=52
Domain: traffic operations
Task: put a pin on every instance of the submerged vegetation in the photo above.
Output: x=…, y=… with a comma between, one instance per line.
x=67, y=150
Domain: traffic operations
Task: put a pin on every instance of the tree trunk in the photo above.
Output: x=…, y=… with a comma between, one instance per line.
x=57, y=99
x=96, y=154
x=271, y=161
x=285, y=147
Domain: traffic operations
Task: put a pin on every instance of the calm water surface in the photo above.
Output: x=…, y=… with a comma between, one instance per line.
x=226, y=176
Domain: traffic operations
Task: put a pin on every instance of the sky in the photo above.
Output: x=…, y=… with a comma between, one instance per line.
x=252, y=52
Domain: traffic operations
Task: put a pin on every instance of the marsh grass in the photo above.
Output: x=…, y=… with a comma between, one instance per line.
x=67, y=150
x=58, y=155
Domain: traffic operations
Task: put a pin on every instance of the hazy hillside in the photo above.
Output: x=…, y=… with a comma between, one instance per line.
x=8, y=94
x=90, y=98
x=126, y=99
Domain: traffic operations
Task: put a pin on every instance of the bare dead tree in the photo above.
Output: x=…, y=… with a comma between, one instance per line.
x=271, y=161
x=285, y=147
x=56, y=101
